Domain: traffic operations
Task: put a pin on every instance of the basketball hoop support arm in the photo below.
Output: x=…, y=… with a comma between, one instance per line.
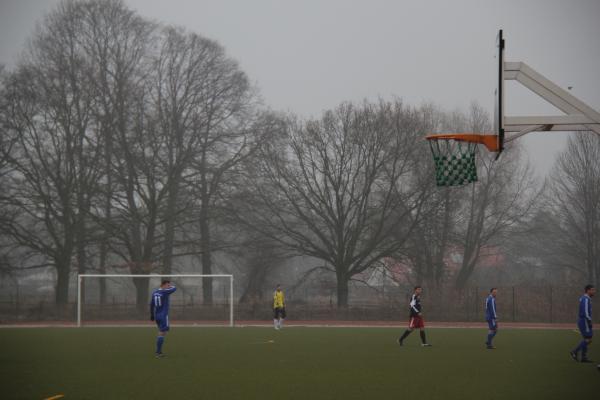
x=579, y=116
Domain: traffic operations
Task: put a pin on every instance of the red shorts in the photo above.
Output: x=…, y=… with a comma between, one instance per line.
x=416, y=322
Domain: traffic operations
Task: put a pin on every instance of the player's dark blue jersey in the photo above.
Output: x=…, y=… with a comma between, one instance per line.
x=415, y=305
x=159, y=305
x=490, y=308
x=585, y=308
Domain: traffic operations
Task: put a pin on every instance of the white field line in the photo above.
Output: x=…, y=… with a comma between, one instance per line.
x=288, y=326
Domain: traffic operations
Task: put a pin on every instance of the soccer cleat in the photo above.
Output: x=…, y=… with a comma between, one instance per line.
x=490, y=347
x=574, y=356
x=426, y=345
x=399, y=341
x=160, y=355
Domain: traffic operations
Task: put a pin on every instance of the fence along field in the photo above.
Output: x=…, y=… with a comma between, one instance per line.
x=540, y=304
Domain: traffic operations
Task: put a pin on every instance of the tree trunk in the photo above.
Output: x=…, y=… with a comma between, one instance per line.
x=466, y=270
x=102, y=283
x=256, y=279
x=62, y=285
x=81, y=253
x=205, y=245
x=207, y=283
x=439, y=257
x=142, y=294
x=342, y=290
x=473, y=238
x=107, y=210
x=170, y=227
x=102, y=266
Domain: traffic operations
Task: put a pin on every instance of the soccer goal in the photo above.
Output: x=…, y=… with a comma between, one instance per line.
x=123, y=299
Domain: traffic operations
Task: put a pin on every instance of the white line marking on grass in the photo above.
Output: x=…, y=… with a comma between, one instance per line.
x=457, y=325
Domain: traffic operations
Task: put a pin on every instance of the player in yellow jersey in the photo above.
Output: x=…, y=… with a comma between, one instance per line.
x=278, y=307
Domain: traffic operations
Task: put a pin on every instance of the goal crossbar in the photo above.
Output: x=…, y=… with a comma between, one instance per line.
x=80, y=278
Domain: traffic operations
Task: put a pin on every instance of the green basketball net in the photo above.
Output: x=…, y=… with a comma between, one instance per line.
x=454, y=161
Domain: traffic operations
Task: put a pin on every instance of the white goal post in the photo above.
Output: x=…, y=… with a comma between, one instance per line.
x=81, y=277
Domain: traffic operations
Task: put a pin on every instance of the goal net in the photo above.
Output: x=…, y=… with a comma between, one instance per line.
x=121, y=299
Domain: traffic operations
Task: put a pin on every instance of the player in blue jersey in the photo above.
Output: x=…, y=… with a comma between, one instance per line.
x=584, y=323
x=159, y=312
x=491, y=317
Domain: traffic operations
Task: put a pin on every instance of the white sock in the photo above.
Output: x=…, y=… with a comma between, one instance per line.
x=281, y=322
x=275, y=323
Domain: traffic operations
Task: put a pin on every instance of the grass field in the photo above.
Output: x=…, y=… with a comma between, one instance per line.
x=295, y=363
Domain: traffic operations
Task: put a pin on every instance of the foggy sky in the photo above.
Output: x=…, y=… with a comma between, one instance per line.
x=310, y=55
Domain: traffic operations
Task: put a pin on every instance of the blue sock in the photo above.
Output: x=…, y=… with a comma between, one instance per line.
x=580, y=346
x=159, y=343
x=584, y=347
x=490, y=336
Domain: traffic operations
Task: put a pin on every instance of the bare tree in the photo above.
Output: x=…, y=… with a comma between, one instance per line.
x=5, y=140
x=575, y=203
x=258, y=257
x=201, y=102
x=228, y=134
x=470, y=218
x=503, y=196
x=113, y=120
x=6, y=143
x=341, y=188
x=431, y=239
x=55, y=152
x=175, y=112
x=118, y=43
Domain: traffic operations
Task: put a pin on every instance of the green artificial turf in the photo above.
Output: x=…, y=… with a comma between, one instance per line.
x=299, y=363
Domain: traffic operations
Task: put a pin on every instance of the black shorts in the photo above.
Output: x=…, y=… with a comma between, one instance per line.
x=279, y=312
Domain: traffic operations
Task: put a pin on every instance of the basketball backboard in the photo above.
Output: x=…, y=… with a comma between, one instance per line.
x=449, y=148
x=499, y=106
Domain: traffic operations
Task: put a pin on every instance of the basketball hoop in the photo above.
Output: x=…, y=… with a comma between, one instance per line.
x=454, y=153
x=454, y=156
